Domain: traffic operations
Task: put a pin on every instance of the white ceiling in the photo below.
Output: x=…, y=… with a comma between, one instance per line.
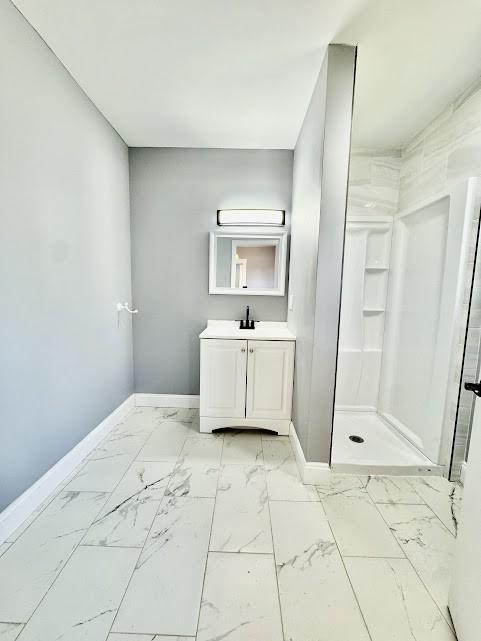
x=239, y=73
x=414, y=58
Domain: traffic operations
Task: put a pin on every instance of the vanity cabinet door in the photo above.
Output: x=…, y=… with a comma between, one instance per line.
x=223, y=366
x=270, y=369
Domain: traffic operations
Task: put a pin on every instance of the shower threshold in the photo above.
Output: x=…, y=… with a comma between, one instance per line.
x=381, y=451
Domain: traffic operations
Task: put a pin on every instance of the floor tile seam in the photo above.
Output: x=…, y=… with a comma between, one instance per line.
x=283, y=627
x=384, y=521
x=110, y=494
x=62, y=569
x=141, y=549
x=416, y=571
x=346, y=572
x=208, y=544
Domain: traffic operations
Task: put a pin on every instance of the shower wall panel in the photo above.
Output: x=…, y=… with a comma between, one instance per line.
x=365, y=275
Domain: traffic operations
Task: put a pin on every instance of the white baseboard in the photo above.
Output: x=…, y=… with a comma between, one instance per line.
x=311, y=472
x=18, y=511
x=167, y=400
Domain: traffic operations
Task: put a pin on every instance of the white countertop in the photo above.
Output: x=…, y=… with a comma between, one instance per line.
x=264, y=330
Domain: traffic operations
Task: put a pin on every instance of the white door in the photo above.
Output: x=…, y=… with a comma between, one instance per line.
x=223, y=378
x=465, y=593
x=270, y=367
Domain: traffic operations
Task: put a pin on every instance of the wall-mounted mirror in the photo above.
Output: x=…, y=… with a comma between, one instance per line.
x=252, y=264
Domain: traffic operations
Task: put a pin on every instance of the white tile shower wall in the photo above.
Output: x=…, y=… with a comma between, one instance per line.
x=373, y=183
x=445, y=152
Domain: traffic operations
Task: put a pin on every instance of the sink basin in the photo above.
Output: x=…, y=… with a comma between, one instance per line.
x=264, y=330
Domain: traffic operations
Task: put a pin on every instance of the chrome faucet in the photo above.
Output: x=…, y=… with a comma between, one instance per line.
x=247, y=323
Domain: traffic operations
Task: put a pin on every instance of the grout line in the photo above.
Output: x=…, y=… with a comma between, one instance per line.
x=345, y=570
x=414, y=567
x=160, y=502
x=62, y=569
x=210, y=537
x=274, y=549
x=86, y=529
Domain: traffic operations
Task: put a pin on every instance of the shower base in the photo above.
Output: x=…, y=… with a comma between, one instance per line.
x=383, y=451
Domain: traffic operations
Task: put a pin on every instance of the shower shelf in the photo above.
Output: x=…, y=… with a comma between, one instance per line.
x=376, y=268
x=373, y=310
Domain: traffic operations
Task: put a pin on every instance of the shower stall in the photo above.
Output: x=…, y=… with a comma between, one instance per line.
x=407, y=288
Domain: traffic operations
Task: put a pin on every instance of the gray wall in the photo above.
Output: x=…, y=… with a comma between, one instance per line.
x=64, y=260
x=175, y=194
x=321, y=162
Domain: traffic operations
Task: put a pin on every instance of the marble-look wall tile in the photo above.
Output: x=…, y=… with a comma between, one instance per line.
x=164, y=593
x=30, y=566
x=314, y=589
x=71, y=610
x=241, y=516
x=427, y=544
x=240, y=599
x=400, y=607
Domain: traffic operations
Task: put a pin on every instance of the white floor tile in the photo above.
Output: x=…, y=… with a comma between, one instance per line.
x=314, y=589
x=145, y=637
x=443, y=497
x=164, y=594
x=127, y=516
x=30, y=566
x=283, y=480
x=427, y=544
x=197, y=470
x=277, y=452
x=178, y=414
x=165, y=443
x=120, y=443
x=242, y=448
x=358, y=527
x=395, y=604
x=100, y=476
x=82, y=603
x=10, y=631
x=333, y=484
x=392, y=489
x=284, y=484
x=240, y=600
x=241, y=516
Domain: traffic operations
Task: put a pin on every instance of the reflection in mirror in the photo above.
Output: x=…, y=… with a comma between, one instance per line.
x=247, y=264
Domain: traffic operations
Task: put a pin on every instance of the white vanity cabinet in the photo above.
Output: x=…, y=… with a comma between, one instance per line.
x=246, y=382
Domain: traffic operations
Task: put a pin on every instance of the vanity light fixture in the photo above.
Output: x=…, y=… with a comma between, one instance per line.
x=251, y=217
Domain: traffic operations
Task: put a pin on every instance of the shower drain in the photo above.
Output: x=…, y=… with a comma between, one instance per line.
x=356, y=439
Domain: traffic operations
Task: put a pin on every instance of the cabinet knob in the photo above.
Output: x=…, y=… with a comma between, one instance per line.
x=251, y=350
x=243, y=349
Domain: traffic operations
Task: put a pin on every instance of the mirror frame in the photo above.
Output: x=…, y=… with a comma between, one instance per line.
x=248, y=234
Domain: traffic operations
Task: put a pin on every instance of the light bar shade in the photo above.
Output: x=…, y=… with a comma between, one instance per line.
x=251, y=217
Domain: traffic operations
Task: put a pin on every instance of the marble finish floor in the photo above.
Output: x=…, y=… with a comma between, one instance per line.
x=166, y=534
